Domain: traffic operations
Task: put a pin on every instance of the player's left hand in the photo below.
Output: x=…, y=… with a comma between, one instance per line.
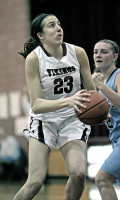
x=98, y=79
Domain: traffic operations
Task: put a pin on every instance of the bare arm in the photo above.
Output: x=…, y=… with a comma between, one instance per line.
x=85, y=69
x=113, y=96
x=38, y=104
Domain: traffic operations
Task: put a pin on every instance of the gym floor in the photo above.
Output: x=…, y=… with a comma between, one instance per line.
x=53, y=189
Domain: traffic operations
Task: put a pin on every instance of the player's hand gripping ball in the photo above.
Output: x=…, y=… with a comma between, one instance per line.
x=96, y=110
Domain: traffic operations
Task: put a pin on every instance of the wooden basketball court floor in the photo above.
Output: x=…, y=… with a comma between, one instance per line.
x=53, y=189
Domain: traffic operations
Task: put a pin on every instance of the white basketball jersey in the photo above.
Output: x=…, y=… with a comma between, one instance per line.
x=59, y=79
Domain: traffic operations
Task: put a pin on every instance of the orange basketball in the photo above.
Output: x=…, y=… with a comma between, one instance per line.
x=96, y=110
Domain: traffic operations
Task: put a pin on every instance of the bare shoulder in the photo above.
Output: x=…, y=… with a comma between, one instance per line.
x=81, y=55
x=80, y=51
x=118, y=77
x=117, y=81
x=32, y=58
x=31, y=63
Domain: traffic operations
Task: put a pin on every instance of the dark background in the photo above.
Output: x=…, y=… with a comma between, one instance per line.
x=84, y=22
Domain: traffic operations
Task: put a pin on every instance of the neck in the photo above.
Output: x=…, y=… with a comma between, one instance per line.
x=107, y=73
x=56, y=52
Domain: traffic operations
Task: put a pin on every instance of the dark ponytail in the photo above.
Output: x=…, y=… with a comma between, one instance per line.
x=34, y=41
x=29, y=46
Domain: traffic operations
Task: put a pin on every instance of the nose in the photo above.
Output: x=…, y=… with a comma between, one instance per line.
x=58, y=27
x=98, y=54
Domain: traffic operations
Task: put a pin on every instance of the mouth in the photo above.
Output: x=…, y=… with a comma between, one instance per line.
x=99, y=61
x=60, y=35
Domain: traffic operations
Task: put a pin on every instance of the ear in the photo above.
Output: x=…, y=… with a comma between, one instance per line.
x=115, y=57
x=40, y=36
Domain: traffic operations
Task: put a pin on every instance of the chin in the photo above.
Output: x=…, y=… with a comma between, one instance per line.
x=59, y=43
x=99, y=67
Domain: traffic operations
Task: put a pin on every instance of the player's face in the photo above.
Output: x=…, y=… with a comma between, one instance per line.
x=103, y=55
x=52, y=31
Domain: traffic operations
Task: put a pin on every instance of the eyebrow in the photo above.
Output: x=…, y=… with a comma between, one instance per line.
x=50, y=22
x=53, y=22
x=100, y=49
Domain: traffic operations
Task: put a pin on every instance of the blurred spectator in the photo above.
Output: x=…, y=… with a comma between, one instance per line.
x=13, y=158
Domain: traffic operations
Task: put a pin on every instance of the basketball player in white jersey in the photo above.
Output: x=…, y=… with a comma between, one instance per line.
x=55, y=72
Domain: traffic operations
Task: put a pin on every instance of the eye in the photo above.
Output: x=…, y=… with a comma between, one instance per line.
x=104, y=51
x=51, y=25
x=59, y=24
x=95, y=52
